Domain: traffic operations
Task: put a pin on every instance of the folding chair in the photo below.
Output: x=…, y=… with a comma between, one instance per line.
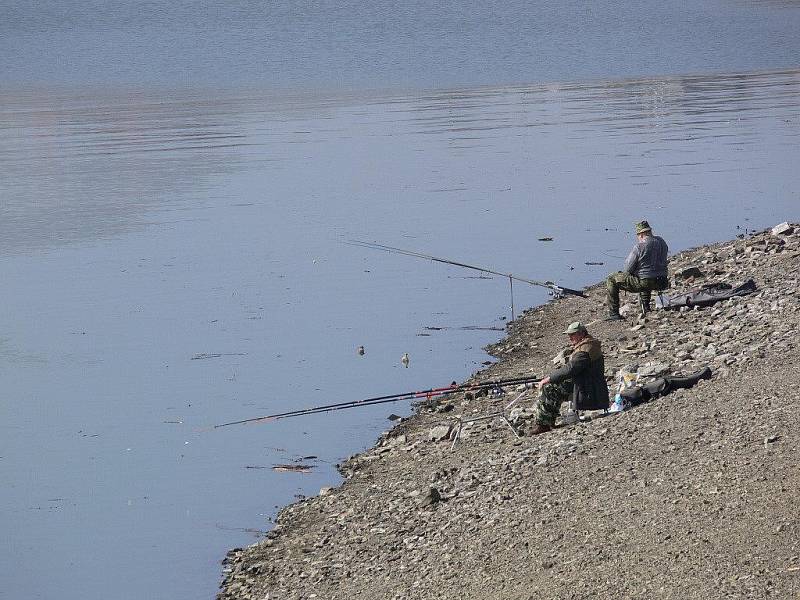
x=659, y=302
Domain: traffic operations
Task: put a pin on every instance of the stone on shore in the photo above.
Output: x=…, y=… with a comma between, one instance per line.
x=438, y=433
x=782, y=229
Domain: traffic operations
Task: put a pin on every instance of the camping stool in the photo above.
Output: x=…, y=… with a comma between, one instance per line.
x=572, y=416
x=660, y=302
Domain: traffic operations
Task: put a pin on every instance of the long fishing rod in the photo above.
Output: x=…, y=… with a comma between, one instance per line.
x=388, y=398
x=410, y=396
x=322, y=409
x=385, y=399
x=555, y=288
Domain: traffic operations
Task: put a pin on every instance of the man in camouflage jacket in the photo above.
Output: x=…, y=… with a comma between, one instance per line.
x=582, y=378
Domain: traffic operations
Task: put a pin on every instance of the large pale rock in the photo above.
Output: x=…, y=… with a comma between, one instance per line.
x=653, y=369
x=782, y=229
x=438, y=433
x=432, y=497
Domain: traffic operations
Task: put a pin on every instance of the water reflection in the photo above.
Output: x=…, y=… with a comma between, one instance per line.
x=183, y=226
x=80, y=167
x=626, y=107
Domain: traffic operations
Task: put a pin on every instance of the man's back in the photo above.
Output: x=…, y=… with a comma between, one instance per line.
x=648, y=259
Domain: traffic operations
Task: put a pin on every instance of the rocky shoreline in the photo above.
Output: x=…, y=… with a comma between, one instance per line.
x=688, y=496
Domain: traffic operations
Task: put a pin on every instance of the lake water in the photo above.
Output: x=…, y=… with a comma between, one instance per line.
x=177, y=187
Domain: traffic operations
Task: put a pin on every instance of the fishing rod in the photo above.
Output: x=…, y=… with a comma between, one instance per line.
x=547, y=284
x=388, y=398
x=556, y=289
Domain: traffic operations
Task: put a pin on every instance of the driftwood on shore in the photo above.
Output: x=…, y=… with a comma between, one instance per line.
x=691, y=498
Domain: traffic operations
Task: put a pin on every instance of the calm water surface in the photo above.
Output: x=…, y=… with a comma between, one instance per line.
x=173, y=258
x=350, y=44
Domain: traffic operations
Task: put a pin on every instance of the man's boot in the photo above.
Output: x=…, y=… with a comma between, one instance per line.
x=540, y=428
x=613, y=316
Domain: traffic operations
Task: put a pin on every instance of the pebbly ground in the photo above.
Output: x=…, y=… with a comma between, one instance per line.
x=693, y=495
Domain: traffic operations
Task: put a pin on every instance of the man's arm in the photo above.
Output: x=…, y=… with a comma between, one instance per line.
x=632, y=262
x=578, y=362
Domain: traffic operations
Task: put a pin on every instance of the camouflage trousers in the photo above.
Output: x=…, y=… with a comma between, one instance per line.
x=630, y=283
x=548, y=405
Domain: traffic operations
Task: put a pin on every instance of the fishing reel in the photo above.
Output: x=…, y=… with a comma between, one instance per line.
x=496, y=392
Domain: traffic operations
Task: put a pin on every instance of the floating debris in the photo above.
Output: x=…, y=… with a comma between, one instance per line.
x=466, y=328
x=590, y=263
x=204, y=355
x=242, y=529
x=545, y=239
x=292, y=468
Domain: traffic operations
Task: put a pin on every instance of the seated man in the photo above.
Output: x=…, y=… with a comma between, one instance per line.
x=645, y=270
x=582, y=378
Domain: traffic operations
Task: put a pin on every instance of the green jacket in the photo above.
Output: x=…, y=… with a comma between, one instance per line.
x=586, y=368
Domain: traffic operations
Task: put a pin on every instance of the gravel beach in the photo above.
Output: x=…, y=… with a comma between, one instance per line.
x=691, y=495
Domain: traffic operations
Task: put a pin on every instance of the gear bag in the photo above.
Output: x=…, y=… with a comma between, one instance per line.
x=708, y=295
x=640, y=394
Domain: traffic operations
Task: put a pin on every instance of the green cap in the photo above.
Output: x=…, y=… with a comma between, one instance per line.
x=575, y=327
x=642, y=227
